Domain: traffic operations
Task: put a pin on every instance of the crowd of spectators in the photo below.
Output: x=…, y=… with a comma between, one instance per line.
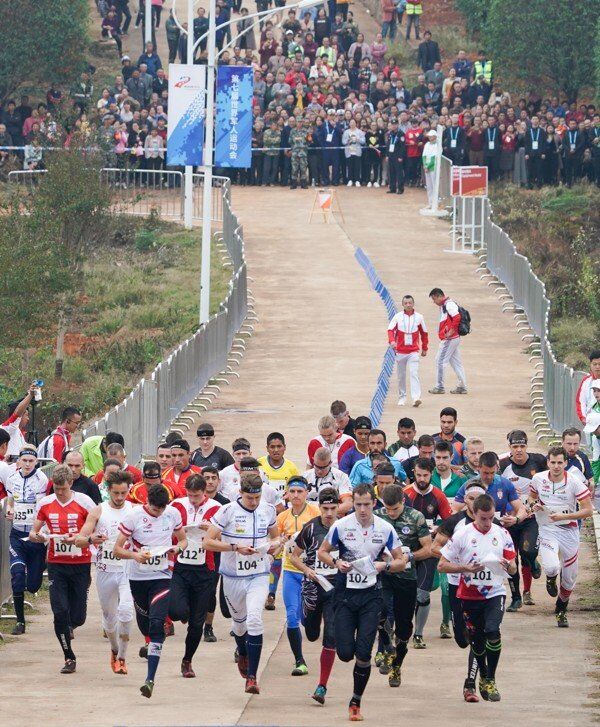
x=330, y=107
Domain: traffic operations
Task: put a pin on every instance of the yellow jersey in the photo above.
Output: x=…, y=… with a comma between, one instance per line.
x=291, y=524
x=278, y=476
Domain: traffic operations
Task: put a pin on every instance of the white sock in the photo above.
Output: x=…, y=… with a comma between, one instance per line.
x=124, y=630
x=114, y=643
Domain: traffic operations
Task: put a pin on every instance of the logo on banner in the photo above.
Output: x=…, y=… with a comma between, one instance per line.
x=187, y=111
x=183, y=82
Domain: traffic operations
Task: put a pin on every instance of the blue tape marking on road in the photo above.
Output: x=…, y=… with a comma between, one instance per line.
x=387, y=366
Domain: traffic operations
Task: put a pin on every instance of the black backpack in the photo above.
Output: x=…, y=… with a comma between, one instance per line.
x=464, y=327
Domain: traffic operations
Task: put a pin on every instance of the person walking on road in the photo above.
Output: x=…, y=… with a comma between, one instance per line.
x=407, y=334
x=449, y=350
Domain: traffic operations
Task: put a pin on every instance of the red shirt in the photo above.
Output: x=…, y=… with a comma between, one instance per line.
x=133, y=471
x=138, y=494
x=62, y=519
x=414, y=142
x=177, y=482
x=434, y=505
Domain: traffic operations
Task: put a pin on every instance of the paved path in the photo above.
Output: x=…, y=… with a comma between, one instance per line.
x=321, y=336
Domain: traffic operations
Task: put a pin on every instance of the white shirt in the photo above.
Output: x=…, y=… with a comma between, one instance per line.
x=405, y=453
x=239, y=525
x=195, y=554
x=470, y=545
x=17, y=438
x=146, y=532
x=558, y=497
x=334, y=478
x=231, y=482
x=27, y=493
x=108, y=524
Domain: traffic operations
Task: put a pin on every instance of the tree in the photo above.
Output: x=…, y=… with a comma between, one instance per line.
x=597, y=63
x=544, y=43
x=42, y=41
x=475, y=13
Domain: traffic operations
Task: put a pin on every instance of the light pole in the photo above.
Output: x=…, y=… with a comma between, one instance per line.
x=210, y=132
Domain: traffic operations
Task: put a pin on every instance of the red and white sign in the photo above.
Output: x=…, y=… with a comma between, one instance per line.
x=469, y=181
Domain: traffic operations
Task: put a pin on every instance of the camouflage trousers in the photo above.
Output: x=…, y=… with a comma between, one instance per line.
x=299, y=168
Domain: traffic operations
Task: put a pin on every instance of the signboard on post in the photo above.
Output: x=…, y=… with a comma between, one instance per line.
x=187, y=114
x=233, y=139
x=469, y=181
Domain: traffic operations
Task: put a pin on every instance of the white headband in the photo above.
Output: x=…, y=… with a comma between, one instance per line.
x=476, y=489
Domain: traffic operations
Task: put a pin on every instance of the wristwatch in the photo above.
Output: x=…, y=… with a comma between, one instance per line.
x=234, y=546
x=388, y=566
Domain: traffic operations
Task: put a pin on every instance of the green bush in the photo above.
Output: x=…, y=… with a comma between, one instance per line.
x=145, y=240
x=475, y=13
x=129, y=356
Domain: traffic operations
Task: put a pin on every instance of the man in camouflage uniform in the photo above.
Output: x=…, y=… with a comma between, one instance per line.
x=400, y=589
x=299, y=154
x=272, y=145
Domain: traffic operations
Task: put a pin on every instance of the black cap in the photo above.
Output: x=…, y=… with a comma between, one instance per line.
x=205, y=430
x=362, y=422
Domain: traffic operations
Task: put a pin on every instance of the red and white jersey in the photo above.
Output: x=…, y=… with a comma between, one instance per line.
x=195, y=554
x=584, y=399
x=133, y=471
x=147, y=532
x=449, y=319
x=408, y=333
x=338, y=449
x=558, y=497
x=177, y=479
x=470, y=545
x=6, y=471
x=64, y=519
x=17, y=438
x=108, y=524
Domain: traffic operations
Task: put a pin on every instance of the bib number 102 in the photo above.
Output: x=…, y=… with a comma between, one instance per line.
x=357, y=578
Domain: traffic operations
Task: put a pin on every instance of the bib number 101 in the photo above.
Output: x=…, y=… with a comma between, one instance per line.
x=482, y=575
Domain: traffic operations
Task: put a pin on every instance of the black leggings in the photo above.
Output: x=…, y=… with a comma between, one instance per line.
x=357, y=614
x=151, y=601
x=68, y=585
x=461, y=635
x=399, y=598
x=317, y=606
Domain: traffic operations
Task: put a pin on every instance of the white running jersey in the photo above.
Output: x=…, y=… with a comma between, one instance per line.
x=108, y=524
x=191, y=515
x=245, y=527
x=454, y=578
x=6, y=471
x=470, y=545
x=230, y=486
x=558, y=497
x=405, y=453
x=358, y=543
x=17, y=438
x=26, y=491
x=338, y=449
x=334, y=478
x=146, y=532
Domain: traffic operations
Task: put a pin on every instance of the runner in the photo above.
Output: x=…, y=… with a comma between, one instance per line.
x=116, y=451
x=177, y=475
x=444, y=477
x=431, y=502
x=245, y=532
x=64, y=514
x=362, y=428
x=425, y=447
x=474, y=448
x=400, y=589
x=151, y=475
x=289, y=524
x=164, y=457
x=25, y=487
x=454, y=524
x=361, y=540
x=278, y=470
x=448, y=433
x=230, y=476
x=148, y=532
x=318, y=585
x=519, y=468
x=405, y=446
x=208, y=454
x=362, y=472
x=483, y=554
x=193, y=583
x=112, y=582
x=560, y=500
x=324, y=475
x=336, y=442
x=408, y=336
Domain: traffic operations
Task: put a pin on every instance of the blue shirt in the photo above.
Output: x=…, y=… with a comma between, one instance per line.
x=501, y=490
x=581, y=462
x=363, y=471
x=349, y=459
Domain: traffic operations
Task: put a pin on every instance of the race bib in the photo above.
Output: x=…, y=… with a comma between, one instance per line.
x=109, y=560
x=323, y=569
x=24, y=513
x=155, y=563
x=572, y=147
x=491, y=145
x=453, y=143
x=62, y=548
x=392, y=147
x=248, y=565
x=408, y=339
x=356, y=580
x=484, y=578
x=329, y=138
x=534, y=145
x=194, y=554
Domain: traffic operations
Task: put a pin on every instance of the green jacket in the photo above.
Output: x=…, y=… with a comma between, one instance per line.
x=455, y=482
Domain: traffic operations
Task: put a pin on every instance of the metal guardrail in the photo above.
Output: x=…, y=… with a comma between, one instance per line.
x=5, y=586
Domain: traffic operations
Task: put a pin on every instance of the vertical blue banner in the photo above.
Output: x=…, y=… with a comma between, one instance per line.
x=187, y=112
x=233, y=137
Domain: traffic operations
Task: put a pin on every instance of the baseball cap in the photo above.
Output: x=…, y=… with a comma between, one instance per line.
x=205, y=430
x=595, y=384
x=592, y=422
x=362, y=423
x=432, y=133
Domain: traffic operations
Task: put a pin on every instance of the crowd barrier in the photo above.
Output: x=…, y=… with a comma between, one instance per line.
x=5, y=588
x=556, y=382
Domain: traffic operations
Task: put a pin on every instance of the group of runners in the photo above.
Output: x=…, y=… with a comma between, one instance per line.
x=360, y=541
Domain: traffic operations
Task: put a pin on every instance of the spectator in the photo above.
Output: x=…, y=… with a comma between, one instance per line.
x=414, y=10
x=507, y=155
x=388, y=17
x=151, y=59
x=454, y=142
x=200, y=30
x=353, y=140
x=463, y=66
x=59, y=440
x=244, y=29
x=428, y=52
x=483, y=67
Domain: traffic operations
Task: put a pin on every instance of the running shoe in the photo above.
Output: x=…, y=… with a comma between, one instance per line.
x=551, y=586
x=147, y=688
x=354, y=714
x=445, y=631
x=395, y=676
x=69, y=667
x=527, y=599
x=251, y=686
x=437, y=390
x=18, y=630
x=483, y=689
x=402, y=401
x=121, y=667
x=143, y=652
x=270, y=602
x=242, y=663
x=561, y=620
x=388, y=659
x=536, y=569
x=418, y=643
x=319, y=694
x=459, y=390
x=113, y=661
x=209, y=634
x=379, y=658
x=469, y=692
x=515, y=605
x=417, y=403
x=492, y=691
x=186, y=669
x=300, y=670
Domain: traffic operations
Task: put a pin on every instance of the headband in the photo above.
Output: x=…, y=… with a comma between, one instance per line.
x=297, y=481
x=476, y=489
